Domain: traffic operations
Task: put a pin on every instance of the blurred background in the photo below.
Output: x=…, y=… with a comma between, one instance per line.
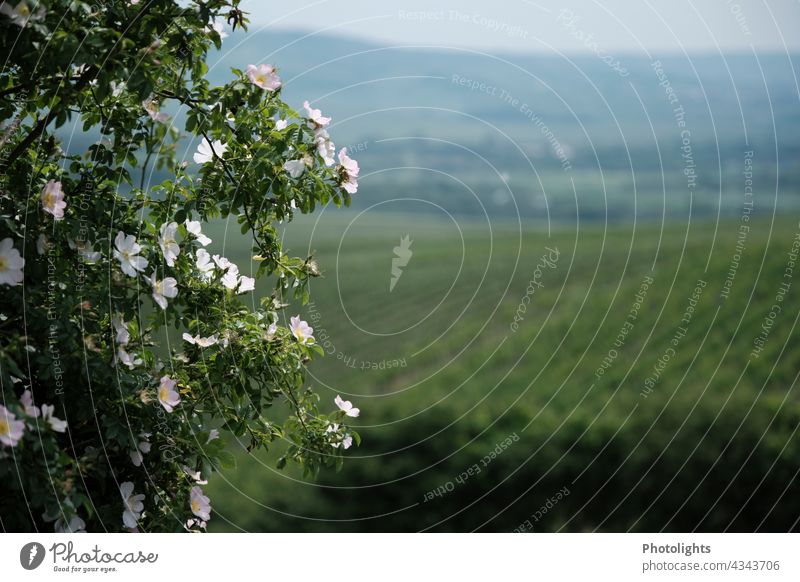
x=565, y=297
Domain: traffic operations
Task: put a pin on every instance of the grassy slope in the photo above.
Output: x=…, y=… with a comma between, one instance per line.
x=469, y=381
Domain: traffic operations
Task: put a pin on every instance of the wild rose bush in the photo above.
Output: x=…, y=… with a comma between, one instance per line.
x=128, y=348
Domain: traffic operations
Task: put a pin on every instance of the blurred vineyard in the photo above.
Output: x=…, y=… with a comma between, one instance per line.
x=628, y=388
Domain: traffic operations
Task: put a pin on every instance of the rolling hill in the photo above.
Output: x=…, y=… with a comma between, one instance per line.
x=638, y=376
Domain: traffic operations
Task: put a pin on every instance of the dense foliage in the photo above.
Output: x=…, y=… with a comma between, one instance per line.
x=127, y=349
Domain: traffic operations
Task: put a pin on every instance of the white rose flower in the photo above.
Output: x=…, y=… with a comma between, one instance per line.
x=219, y=28
x=127, y=253
x=263, y=76
x=27, y=403
x=56, y=424
x=11, y=263
x=200, y=504
x=346, y=406
x=123, y=335
x=132, y=503
x=231, y=277
x=315, y=116
x=205, y=151
x=53, y=199
x=167, y=395
x=194, y=228
x=142, y=448
x=194, y=475
x=246, y=284
x=222, y=262
x=295, y=168
x=203, y=342
x=85, y=250
x=325, y=147
x=75, y=525
x=163, y=289
x=204, y=264
x=42, y=244
x=301, y=330
x=11, y=429
x=348, y=172
x=151, y=107
x=131, y=361
x=168, y=243
x=21, y=13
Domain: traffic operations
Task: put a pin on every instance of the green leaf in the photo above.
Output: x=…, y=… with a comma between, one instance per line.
x=226, y=459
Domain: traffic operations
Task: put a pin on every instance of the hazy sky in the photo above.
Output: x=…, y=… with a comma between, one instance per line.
x=528, y=26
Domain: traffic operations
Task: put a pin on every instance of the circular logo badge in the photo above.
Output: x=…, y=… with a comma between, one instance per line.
x=31, y=555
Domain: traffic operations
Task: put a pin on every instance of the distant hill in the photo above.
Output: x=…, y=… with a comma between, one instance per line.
x=545, y=136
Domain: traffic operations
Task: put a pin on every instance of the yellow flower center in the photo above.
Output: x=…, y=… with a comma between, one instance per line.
x=3, y=264
x=195, y=505
x=4, y=428
x=49, y=200
x=163, y=393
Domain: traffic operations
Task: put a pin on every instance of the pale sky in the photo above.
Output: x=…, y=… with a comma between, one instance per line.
x=534, y=26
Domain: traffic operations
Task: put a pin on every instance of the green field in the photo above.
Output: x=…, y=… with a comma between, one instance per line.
x=629, y=380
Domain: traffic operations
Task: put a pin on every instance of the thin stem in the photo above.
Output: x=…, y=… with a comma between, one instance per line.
x=296, y=404
x=23, y=87
x=25, y=143
x=100, y=107
x=147, y=158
